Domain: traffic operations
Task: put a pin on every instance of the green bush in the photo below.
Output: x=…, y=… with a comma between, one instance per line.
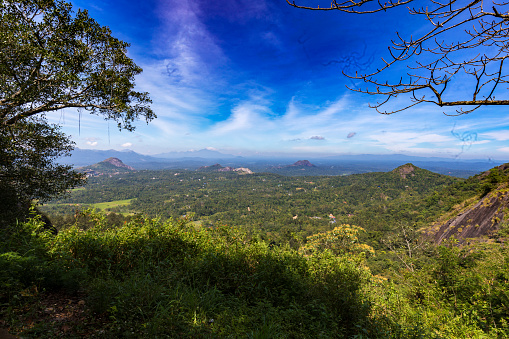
x=172, y=279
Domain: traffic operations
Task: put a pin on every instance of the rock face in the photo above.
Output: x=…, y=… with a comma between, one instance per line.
x=303, y=163
x=118, y=163
x=405, y=170
x=219, y=168
x=482, y=219
x=110, y=166
x=226, y=169
x=243, y=170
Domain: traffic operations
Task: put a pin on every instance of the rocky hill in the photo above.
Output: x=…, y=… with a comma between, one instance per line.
x=117, y=163
x=109, y=166
x=302, y=163
x=478, y=217
x=219, y=168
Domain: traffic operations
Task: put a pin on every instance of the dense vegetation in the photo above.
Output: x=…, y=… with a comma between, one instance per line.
x=143, y=275
x=267, y=205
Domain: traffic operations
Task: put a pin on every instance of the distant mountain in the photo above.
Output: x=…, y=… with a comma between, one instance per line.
x=337, y=165
x=400, y=158
x=109, y=166
x=85, y=157
x=302, y=163
x=181, y=160
x=203, y=153
x=117, y=163
x=375, y=162
x=404, y=170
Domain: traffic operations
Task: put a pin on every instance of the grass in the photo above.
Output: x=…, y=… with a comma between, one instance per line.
x=99, y=205
x=111, y=204
x=78, y=189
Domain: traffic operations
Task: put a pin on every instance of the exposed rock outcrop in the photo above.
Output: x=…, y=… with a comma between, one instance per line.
x=118, y=163
x=219, y=168
x=481, y=219
x=243, y=170
x=110, y=166
x=403, y=171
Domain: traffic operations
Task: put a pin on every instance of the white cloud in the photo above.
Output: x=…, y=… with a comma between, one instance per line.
x=504, y=149
x=497, y=135
x=409, y=139
x=127, y=144
x=191, y=51
x=91, y=141
x=247, y=116
x=470, y=143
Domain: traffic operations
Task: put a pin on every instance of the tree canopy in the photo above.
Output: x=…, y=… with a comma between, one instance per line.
x=458, y=60
x=52, y=58
x=27, y=168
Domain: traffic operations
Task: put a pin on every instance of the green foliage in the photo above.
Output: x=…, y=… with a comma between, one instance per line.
x=197, y=277
x=27, y=170
x=52, y=58
x=149, y=264
x=491, y=181
x=268, y=206
x=172, y=279
x=342, y=239
x=25, y=261
x=169, y=279
x=458, y=293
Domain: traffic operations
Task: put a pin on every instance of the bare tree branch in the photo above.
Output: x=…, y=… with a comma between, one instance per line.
x=466, y=45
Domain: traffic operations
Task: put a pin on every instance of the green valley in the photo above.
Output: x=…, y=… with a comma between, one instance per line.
x=214, y=254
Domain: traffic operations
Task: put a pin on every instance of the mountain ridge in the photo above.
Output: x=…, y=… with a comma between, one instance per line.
x=337, y=165
x=112, y=165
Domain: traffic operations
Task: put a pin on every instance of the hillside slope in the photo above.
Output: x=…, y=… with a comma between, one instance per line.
x=111, y=165
x=479, y=216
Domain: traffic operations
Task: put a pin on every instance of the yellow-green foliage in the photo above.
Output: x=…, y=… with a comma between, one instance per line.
x=169, y=279
x=111, y=204
x=173, y=279
x=342, y=239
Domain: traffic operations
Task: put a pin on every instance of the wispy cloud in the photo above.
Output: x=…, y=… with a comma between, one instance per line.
x=497, y=135
x=241, y=75
x=246, y=117
x=189, y=50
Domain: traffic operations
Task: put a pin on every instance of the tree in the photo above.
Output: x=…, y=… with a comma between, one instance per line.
x=27, y=168
x=50, y=59
x=465, y=40
x=342, y=239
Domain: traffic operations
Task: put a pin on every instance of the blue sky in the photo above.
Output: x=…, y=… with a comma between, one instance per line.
x=260, y=77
